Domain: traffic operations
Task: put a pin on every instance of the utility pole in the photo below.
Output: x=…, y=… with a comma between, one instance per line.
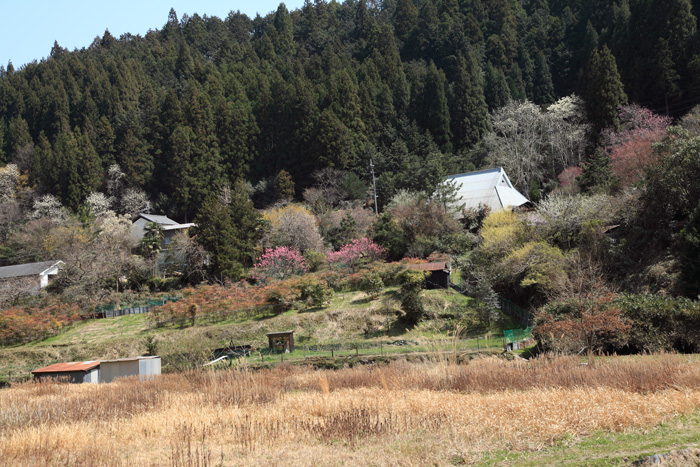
x=374, y=187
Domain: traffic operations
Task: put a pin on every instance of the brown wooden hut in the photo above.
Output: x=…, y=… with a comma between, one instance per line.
x=281, y=341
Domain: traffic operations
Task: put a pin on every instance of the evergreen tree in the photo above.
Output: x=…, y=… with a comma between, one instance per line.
x=436, y=116
x=470, y=114
x=603, y=93
x=228, y=228
x=284, y=186
x=543, y=89
x=497, y=92
x=405, y=19
x=597, y=175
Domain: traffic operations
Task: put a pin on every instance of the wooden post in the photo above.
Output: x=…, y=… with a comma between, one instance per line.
x=477, y=343
x=356, y=352
x=332, y=355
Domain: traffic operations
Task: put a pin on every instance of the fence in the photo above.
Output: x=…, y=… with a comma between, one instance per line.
x=513, y=337
x=506, y=306
x=113, y=310
x=511, y=309
x=434, y=348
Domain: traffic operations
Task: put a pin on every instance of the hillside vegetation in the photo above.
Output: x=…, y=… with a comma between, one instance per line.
x=202, y=102
x=351, y=325
x=262, y=131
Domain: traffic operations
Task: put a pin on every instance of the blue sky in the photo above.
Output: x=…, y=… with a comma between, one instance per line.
x=28, y=28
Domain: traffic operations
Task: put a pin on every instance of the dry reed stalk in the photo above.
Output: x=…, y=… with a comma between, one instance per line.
x=237, y=417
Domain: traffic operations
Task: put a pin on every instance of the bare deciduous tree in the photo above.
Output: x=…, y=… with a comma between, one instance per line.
x=535, y=145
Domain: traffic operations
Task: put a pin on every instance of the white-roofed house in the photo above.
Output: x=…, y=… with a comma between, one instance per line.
x=490, y=188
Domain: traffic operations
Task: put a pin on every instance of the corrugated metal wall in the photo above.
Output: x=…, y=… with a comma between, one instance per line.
x=146, y=368
x=113, y=370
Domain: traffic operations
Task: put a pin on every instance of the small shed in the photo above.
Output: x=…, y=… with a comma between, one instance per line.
x=281, y=341
x=438, y=274
x=144, y=367
x=72, y=372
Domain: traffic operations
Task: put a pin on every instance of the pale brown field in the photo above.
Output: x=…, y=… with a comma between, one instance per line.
x=402, y=414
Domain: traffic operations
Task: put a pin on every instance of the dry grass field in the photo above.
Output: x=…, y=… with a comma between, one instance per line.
x=434, y=413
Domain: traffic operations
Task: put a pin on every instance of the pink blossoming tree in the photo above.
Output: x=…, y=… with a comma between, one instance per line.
x=631, y=148
x=279, y=263
x=356, y=252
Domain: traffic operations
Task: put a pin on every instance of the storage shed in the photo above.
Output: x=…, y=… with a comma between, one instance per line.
x=145, y=367
x=72, y=372
x=281, y=341
x=438, y=276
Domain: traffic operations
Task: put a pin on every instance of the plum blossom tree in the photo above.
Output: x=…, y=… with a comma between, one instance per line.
x=630, y=148
x=356, y=252
x=279, y=263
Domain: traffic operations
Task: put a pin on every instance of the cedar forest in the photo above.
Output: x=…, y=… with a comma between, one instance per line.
x=262, y=132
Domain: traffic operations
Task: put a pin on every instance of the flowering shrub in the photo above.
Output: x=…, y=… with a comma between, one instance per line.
x=631, y=148
x=24, y=324
x=358, y=251
x=567, y=178
x=279, y=263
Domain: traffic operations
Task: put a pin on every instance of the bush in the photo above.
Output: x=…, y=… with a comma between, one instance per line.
x=409, y=294
x=651, y=323
x=315, y=292
x=579, y=325
x=314, y=259
x=661, y=323
x=372, y=284
x=280, y=301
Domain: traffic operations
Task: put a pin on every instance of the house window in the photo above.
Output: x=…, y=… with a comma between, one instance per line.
x=167, y=240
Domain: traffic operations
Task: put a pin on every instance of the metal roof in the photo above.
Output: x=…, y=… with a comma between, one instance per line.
x=278, y=333
x=178, y=226
x=162, y=220
x=441, y=266
x=490, y=188
x=68, y=367
x=29, y=269
x=130, y=359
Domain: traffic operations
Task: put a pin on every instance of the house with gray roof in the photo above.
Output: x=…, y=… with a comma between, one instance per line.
x=168, y=260
x=491, y=188
x=34, y=274
x=169, y=226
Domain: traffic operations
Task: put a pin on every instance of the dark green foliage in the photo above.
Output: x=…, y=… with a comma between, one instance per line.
x=387, y=233
x=344, y=233
x=315, y=292
x=597, y=174
x=470, y=114
x=228, y=229
x=151, y=345
x=409, y=294
x=661, y=323
x=689, y=248
x=604, y=92
x=201, y=101
x=284, y=186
